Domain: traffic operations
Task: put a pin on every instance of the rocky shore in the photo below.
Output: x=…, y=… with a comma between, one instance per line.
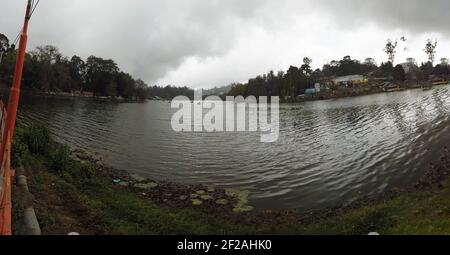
x=233, y=204
x=205, y=198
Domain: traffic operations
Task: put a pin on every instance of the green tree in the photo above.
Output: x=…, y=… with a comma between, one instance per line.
x=391, y=49
x=78, y=72
x=427, y=69
x=141, y=89
x=430, y=50
x=306, y=67
x=399, y=73
x=4, y=45
x=100, y=75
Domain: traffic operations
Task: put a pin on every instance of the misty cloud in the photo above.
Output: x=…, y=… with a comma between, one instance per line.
x=416, y=16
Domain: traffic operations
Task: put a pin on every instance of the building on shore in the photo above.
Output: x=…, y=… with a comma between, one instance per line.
x=350, y=80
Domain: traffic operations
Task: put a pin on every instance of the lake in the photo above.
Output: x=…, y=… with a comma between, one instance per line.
x=329, y=152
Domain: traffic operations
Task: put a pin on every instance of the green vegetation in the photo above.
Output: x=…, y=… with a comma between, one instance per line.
x=421, y=212
x=47, y=70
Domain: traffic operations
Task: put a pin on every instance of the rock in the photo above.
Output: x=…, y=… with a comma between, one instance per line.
x=206, y=197
x=242, y=200
x=194, y=196
x=183, y=197
x=197, y=202
x=201, y=192
x=243, y=208
x=137, y=178
x=124, y=184
x=146, y=186
x=211, y=189
x=222, y=202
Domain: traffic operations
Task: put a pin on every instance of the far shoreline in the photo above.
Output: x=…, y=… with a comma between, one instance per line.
x=65, y=95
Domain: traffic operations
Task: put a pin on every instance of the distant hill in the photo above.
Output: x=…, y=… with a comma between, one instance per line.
x=217, y=91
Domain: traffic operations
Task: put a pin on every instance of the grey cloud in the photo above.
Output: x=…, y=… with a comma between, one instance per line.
x=147, y=38
x=416, y=16
x=150, y=38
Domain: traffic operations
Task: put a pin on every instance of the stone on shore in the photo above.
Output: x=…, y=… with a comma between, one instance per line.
x=201, y=192
x=124, y=184
x=222, y=202
x=182, y=198
x=206, y=197
x=197, y=202
x=137, y=178
x=146, y=186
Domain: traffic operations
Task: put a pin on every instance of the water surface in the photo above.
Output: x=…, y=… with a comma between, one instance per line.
x=329, y=152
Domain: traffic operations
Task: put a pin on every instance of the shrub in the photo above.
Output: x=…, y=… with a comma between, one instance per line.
x=59, y=158
x=18, y=151
x=37, y=138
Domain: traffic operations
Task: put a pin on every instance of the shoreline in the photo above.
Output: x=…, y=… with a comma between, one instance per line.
x=435, y=176
x=177, y=195
x=324, y=96
x=352, y=93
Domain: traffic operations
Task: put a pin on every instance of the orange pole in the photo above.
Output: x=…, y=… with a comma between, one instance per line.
x=14, y=95
x=13, y=102
x=6, y=206
x=8, y=132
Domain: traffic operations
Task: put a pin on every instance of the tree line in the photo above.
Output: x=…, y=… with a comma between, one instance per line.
x=47, y=70
x=296, y=80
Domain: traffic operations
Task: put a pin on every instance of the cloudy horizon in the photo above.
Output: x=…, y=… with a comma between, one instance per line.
x=207, y=43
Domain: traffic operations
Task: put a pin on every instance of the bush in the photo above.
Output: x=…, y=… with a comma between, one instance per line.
x=37, y=138
x=59, y=158
x=18, y=151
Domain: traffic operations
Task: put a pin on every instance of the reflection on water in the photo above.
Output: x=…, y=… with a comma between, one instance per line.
x=329, y=152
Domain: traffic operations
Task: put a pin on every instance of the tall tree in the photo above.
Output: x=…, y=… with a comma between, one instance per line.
x=4, y=45
x=306, y=67
x=100, y=75
x=370, y=62
x=430, y=50
x=391, y=50
x=78, y=72
x=48, y=54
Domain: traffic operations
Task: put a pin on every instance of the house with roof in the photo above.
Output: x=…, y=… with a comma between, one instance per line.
x=350, y=80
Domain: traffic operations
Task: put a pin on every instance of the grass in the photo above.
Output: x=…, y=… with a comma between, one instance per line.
x=71, y=196
x=424, y=212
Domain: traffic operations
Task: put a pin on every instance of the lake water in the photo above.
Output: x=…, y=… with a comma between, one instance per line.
x=328, y=153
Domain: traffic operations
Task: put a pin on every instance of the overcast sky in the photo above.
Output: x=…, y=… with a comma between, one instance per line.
x=207, y=43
